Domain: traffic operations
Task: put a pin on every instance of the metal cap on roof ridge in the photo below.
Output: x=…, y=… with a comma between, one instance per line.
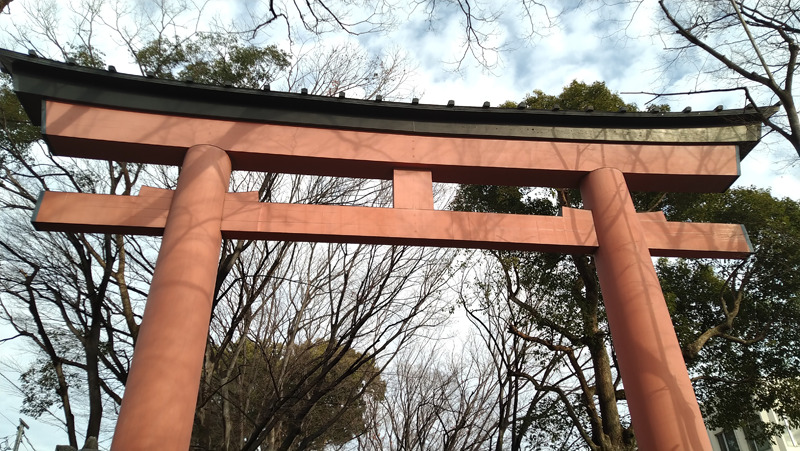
x=38, y=78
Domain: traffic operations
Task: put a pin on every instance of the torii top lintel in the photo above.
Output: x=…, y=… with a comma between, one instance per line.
x=84, y=111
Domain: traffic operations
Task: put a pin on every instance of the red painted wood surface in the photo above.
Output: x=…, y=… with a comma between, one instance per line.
x=245, y=217
x=93, y=132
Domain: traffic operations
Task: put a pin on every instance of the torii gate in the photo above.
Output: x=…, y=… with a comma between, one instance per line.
x=209, y=131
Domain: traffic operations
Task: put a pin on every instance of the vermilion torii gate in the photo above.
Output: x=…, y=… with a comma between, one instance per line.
x=210, y=131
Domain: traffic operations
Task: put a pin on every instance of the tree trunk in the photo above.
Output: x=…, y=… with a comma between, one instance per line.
x=611, y=435
x=63, y=392
x=92, y=348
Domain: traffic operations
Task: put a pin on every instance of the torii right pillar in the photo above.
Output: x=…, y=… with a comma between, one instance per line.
x=660, y=396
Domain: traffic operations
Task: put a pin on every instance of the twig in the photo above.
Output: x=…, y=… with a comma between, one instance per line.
x=684, y=93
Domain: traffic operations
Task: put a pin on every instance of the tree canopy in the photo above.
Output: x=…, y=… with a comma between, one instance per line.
x=577, y=96
x=737, y=321
x=325, y=424
x=580, y=96
x=213, y=58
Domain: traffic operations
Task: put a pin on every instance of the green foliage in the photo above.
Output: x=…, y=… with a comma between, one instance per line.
x=161, y=58
x=345, y=404
x=39, y=385
x=87, y=56
x=323, y=398
x=578, y=96
x=16, y=132
x=40, y=388
x=689, y=307
x=212, y=58
x=772, y=225
x=754, y=364
x=501, y=199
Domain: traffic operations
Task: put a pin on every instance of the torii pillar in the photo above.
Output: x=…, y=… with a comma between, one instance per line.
x=657, y=386
x=164, y=377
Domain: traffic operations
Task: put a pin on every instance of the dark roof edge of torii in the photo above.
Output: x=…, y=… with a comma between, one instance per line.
x=37, y=78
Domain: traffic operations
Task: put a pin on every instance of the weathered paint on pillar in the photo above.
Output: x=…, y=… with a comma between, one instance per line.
x=662, y=402
x=161, y=392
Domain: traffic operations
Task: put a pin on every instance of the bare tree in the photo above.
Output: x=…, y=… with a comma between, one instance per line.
x=491, y=315
x=481, y=22
x=542, y=321
x=556, y=340
x=294, y=324
x=350, y=69
x=291, y=315
x=436, y=399
x=751, y=45
x=68, y=292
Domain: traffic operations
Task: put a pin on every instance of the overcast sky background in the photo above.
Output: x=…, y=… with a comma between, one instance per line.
x=617, y=45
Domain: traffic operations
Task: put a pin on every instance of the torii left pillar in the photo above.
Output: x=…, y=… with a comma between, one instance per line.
x=164, y=378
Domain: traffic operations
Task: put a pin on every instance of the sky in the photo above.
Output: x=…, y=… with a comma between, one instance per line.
x=617, y=45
